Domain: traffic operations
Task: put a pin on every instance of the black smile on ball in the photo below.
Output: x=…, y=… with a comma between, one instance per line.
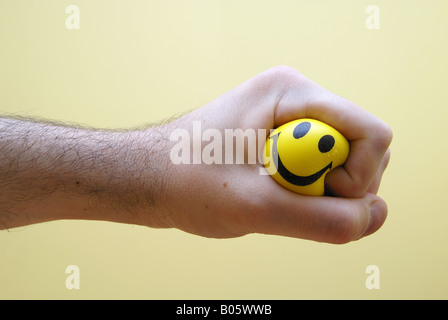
x=325, y=144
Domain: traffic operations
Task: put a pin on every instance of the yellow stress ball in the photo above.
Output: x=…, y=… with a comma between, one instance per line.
x=300, y=153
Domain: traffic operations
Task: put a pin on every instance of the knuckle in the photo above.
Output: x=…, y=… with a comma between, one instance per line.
x=355, y=187
x=275, y=82
x=384, y=136
x=283, y=70
x=283, y=73
x=345, y=227
x=358, y=188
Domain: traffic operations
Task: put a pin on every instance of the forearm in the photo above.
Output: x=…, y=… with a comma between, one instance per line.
x=50, y=172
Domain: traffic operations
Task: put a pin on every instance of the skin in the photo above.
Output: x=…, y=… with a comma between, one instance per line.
x=50, y=171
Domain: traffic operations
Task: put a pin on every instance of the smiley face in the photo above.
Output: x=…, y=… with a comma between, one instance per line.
x=300, y=153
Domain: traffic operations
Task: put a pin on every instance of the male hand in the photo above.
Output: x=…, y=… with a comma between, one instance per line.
x=229, y=200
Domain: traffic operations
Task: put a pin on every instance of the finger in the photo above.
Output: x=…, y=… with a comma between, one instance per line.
x=378, y=214
x=374, y=187
x=369, y=136
x=323, y=219
x=332, y=177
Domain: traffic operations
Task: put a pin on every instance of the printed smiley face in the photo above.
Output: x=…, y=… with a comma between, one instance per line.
x=300, y=153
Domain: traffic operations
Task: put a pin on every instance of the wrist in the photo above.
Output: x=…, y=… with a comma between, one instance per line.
x=146, y=191
x=134, y=178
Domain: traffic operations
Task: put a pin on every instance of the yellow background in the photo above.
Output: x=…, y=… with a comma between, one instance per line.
x=133, y=62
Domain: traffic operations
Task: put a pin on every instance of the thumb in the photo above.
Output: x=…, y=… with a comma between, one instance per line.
x=323, y=219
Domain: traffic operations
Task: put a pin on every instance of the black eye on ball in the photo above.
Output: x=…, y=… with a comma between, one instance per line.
x=326, y=143
x=301, y=130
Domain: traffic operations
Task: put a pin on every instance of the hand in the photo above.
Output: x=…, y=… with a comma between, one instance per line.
x=230, y=200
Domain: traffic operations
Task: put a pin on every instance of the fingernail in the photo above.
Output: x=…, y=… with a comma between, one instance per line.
x=378, y=213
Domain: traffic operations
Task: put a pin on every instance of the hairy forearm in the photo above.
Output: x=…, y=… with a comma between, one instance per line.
x=50, y=171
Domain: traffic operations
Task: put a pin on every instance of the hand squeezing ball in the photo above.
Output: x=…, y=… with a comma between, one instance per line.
x=299, y=154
